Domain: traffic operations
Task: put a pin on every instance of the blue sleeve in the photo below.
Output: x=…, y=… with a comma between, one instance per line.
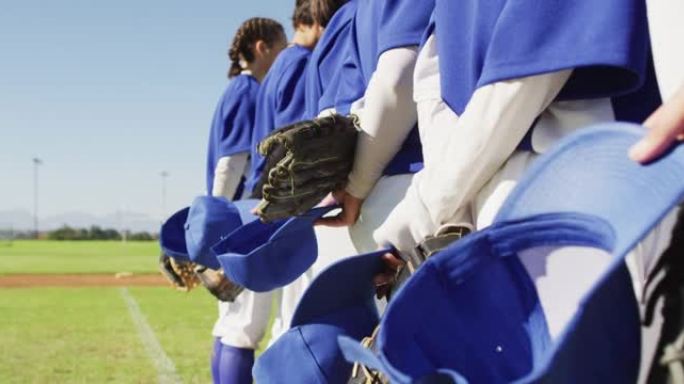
x=323, y=73
x=403, y=23
x=352, y=85
x=231, y=127
x=235, y=119
x=291, y=102
x=281, y=102
x=333, y=70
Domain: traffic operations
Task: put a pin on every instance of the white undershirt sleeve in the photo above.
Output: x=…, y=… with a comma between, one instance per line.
x=494, y=122
x=387, y=117
x=227, y=175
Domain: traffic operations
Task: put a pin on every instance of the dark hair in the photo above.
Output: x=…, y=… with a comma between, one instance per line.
x=323, y=10
x=251, y=31
x=302, y=14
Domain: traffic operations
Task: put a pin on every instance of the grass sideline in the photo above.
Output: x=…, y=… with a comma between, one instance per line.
x=69, y=336
x=85, y=335
x=78, y=257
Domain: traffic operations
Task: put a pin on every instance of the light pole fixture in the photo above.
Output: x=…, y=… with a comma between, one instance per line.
x=164, y=175
x=36, y=163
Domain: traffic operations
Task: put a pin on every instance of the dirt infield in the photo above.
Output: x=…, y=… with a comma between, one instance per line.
x=117, y=280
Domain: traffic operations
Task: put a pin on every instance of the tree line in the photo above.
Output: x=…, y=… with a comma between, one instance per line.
x=79, y=234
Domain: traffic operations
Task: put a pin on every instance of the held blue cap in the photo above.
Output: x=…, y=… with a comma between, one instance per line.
x=209, y=220
x=471, y=313
x=265, y=256
x=172, y=236
x=339, y=302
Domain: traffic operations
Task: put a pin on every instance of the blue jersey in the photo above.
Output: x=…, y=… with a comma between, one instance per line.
x=379, y=26
x=231, y=128
x=323, y=72
x=280, y=103
x=605, y=42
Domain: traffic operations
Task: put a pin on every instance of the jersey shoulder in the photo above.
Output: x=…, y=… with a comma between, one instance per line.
x=241, y=85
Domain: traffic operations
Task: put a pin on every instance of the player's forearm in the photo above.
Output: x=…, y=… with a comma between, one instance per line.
x=227, y=175
x=494, y=122
x=387, y=118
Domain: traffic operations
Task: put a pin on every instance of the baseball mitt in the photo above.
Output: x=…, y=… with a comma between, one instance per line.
x=218, y=284
x=181, y=274
x=304, y=162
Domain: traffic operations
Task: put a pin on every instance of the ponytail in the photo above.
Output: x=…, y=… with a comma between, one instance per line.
x=251, y=31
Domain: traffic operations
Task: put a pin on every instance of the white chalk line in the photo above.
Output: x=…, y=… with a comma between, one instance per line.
x=166, y=369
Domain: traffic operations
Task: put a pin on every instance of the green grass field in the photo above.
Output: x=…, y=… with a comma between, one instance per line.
x=87, y=335
x=66, y=257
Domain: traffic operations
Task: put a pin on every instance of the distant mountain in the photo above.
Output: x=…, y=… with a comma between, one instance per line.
x=21, y=220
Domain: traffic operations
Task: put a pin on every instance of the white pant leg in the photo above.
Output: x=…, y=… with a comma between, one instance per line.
x=490, y=198
x=243, y=322
x=290, y=295
x=333, y=244
x=386, y=194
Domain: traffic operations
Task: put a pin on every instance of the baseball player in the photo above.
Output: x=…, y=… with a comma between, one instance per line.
x=321, y=85
x=281, y=102
x=378, y=87
x=241, y=324
x=493, y=91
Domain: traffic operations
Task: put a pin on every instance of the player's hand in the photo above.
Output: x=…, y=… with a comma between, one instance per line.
x=384, y=280
x=351, y=208
x=665, y=127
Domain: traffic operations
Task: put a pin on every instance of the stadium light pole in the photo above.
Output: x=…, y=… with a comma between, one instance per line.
x=36, y=163
x=164, y=175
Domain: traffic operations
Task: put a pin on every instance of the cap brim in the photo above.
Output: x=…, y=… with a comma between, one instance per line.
x=172, y=236
x=344, y=284
x=209, y=220
x=265, y=256
x=245, y=208
x=591, y=173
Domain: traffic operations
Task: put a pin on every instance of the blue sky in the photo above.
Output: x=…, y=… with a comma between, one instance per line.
x=109, y=94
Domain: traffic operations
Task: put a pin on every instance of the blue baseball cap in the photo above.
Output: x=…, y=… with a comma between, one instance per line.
x=471, y=313
x=209, y=220
x=172, y=236
x=265, y=256
x=338, y=302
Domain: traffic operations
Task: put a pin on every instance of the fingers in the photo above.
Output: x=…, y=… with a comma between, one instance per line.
x=392, y=262
x=383, y=284
x=658, y=139
x=338, y=220
x=328, y=200
x=351, y=208
x=665, y=127
x=385, y=280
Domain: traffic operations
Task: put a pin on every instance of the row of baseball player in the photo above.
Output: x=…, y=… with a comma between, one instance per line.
x=455, y=100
